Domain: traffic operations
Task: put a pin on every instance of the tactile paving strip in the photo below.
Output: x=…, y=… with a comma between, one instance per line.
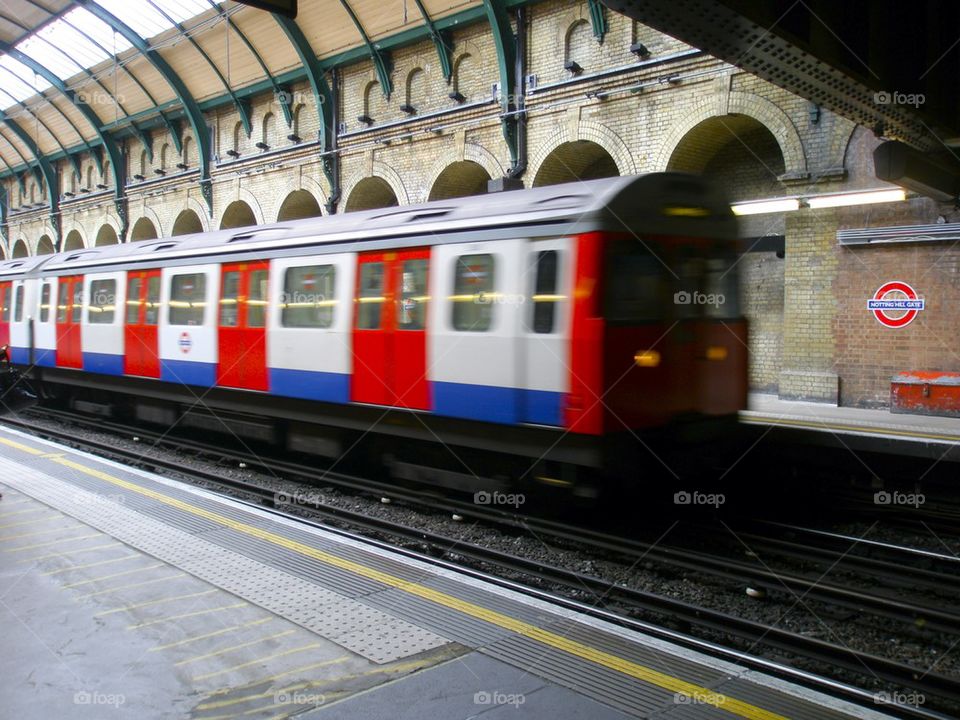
x=367, y=631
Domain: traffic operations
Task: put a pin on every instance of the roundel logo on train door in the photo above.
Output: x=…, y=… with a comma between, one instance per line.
x=895, y=304
x=185, y=342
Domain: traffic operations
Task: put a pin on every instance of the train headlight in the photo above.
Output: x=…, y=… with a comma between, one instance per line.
x=716, y=352
x=646, y=358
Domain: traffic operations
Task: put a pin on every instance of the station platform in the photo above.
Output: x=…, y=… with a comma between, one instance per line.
x=926, y=436
x=126, y=594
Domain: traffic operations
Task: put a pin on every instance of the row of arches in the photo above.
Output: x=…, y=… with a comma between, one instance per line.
x=732, y=146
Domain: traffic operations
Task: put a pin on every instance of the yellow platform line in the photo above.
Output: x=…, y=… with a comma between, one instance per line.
x=28, y=511
x=58, y=516
x=130, y=586
x=137, y=626
x=21, y=536
x=293, y=709
x=258, y=661
x=225, y=650
x=215, y=633
x=114, y=575
x=58, y=541
x=17, y=500
x=160, y=601
x=20, y=446
x=90, y=565
x=867, y=429
x=544, y=637
x=382, y=669
x=233, y=701
x=70, y=552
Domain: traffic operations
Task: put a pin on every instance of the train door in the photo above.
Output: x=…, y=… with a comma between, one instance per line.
x=6, y=300
x=546, y=332
x=389, y=334
x=242, y=326
x=141, y=342
x=69, y=309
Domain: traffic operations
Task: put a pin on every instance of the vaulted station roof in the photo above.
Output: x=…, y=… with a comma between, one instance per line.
x=75, y=73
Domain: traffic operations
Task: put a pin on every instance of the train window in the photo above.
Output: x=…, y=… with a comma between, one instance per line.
x=707, y=284
x=257, y=299
x=370, y=298
x=187, y=299
x=134, y=287
x=229, y=300
x=45, y=303
x=308, y=296
x=103, y=301
x=634, y=288
x=77, y=301
x=412, y=308
x=18, y=304
x=152, y=315
x=545, y=295
x=63, y=302
x=473, y=295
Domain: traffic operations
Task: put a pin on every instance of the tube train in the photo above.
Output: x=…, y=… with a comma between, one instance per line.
x=543, y=333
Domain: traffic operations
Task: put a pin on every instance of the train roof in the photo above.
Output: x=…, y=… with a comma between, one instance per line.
x=655, y=203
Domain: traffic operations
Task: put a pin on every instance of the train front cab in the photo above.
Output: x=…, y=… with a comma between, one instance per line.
x=660, y=351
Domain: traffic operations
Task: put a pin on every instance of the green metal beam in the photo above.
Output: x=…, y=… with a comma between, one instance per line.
x=28, y=166
x=243, y=108
x=325, y=100
x=197, y=122
x=278, y=91
x=381, y=61
x=145, y=139
x=505, y=44
x=441, y=42
x=113, y=151
x=598, y=19
x=46, y=168
x=71, y=157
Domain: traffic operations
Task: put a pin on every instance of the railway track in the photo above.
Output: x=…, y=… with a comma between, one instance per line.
x=612, y=601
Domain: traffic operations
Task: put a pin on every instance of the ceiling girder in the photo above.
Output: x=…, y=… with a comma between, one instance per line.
x=324, y=99
x=441, y=42
x=381, y=60
x=109, y=144
x=201, y=132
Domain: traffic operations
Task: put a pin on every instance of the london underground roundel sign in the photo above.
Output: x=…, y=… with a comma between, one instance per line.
x=895, y=304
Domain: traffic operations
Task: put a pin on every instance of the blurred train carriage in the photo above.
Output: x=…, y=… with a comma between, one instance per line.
x=538, y=334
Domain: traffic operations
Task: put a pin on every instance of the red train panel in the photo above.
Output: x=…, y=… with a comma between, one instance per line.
x=242, y=326
x=69, y=312
x=141, y=344
x=389, y=332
